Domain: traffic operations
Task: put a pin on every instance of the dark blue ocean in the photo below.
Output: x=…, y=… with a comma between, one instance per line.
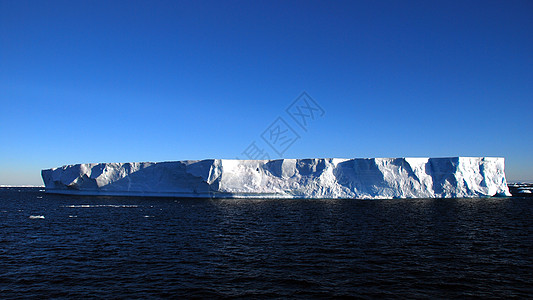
x=121, y=247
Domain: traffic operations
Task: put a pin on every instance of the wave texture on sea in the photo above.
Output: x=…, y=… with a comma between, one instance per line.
x=121, y=247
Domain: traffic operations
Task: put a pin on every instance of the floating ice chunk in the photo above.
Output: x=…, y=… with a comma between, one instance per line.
x=99, y=205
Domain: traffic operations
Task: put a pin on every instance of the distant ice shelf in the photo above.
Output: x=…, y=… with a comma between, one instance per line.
x=360, y=178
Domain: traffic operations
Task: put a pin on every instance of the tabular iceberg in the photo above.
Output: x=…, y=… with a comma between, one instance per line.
x=361, y=178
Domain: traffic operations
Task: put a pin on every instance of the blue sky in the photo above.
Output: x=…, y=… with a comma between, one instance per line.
x=119, y=81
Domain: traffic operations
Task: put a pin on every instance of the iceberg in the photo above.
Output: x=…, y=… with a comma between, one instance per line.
x=318, y=178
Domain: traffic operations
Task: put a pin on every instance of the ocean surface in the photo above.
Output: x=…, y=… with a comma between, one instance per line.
x=120, y=247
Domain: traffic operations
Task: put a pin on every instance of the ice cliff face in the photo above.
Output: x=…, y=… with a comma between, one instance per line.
x=372, y=178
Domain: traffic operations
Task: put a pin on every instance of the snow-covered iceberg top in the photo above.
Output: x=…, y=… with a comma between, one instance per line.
x=362, y=178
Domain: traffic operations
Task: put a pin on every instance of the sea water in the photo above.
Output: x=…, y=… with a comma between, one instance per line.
x=121, y=247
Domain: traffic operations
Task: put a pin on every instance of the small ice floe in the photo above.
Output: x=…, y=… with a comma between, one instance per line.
x=72, y=216
x=521, y=191
x=39, y=197
x=99, y=205
x=148, y=216
x=36, y=217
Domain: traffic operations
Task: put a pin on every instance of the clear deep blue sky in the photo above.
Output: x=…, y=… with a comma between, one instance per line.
x=120, y=81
